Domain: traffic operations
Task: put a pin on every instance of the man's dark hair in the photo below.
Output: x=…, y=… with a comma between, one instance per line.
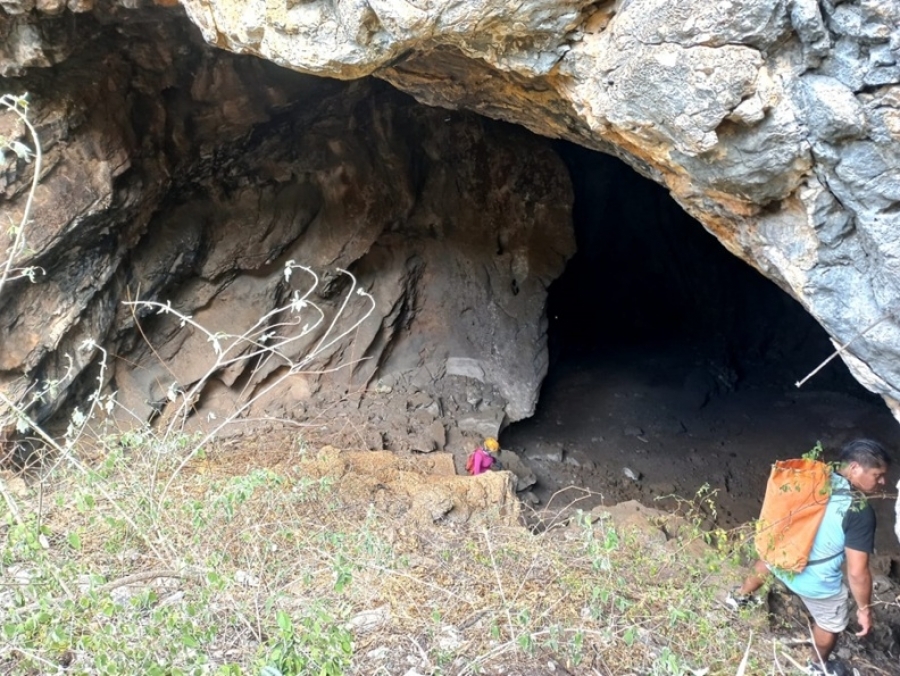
x=870, y=454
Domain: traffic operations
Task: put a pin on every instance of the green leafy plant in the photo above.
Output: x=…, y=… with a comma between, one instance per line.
x=312, y=644
x=815, y=453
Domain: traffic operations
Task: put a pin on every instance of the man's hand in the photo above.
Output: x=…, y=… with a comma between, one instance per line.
x=864, y=617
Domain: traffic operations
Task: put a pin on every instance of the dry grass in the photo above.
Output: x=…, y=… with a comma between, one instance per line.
x=260, y=561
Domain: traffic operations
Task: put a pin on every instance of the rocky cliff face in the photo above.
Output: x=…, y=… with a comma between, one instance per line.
x=177, y=171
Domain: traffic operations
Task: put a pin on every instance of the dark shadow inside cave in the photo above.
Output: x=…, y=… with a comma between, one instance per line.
x=647, y=274
x=673, y=361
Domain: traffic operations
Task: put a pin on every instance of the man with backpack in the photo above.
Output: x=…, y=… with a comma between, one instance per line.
x=847, y=531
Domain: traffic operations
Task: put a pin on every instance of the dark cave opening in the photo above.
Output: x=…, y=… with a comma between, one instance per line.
x=675, y=362
x=646, y=273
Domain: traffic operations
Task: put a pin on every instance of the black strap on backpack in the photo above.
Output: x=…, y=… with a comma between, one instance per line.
x=853, y=504
x=827, y=558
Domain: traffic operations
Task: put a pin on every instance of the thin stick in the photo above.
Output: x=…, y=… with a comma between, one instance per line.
x=775, y=657
x=15, y=106
x=793, y=661
x=14, y=510
x=743, y=665
x=843, y=347
x=141, y=577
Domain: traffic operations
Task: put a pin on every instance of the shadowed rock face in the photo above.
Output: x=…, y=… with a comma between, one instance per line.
x=178, y=172
x=773, y=122
x=183, y=174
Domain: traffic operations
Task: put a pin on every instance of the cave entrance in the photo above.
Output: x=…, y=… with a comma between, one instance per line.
x=675, y=362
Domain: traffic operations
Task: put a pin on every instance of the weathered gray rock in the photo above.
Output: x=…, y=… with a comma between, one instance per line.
x=525, y=476
x=368, y=621
x=833, y=112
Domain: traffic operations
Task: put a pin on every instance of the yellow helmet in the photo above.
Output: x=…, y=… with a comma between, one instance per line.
x=492, y=444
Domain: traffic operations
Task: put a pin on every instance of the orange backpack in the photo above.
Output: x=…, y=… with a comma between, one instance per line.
x=796, y=496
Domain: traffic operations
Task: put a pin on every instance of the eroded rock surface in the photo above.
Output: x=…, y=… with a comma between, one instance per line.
x=422, y=490
x=774, y=122
x=176, y=172
x=181, y=174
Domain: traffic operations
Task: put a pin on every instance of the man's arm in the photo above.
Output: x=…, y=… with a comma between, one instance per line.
x=860, y=580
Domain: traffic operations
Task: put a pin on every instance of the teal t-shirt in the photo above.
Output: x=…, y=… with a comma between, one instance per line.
x=849, y=522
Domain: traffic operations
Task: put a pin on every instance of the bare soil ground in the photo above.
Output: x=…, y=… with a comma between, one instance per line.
x=654, y=413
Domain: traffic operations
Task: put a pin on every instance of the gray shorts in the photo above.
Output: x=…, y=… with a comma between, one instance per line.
x=833, y=613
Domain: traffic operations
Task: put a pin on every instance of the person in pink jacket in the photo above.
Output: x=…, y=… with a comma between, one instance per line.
x=482, y=458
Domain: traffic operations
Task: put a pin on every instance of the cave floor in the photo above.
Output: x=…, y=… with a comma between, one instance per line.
x=645, y=410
